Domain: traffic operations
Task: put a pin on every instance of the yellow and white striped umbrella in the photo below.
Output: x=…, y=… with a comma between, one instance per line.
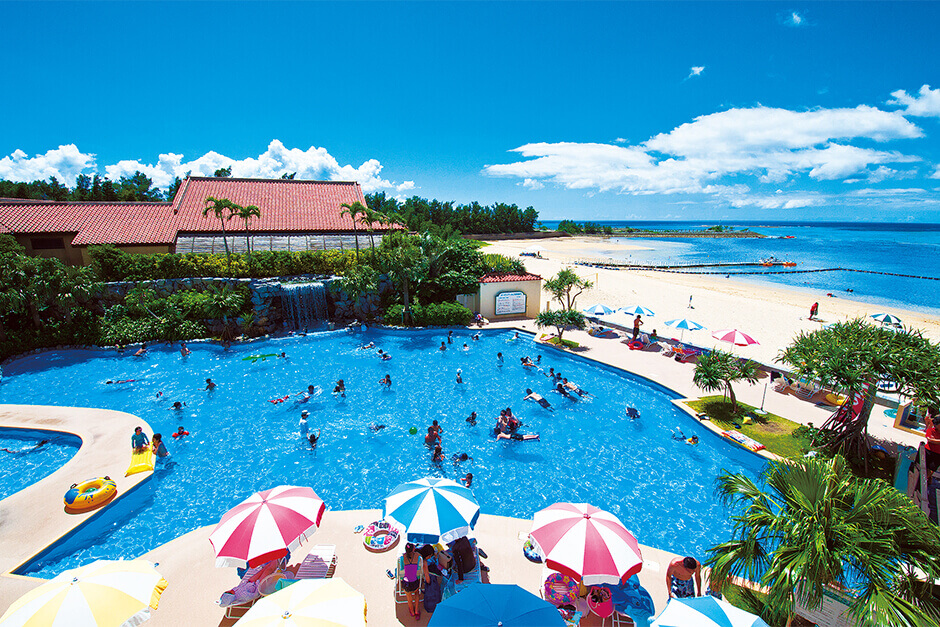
x=309, y=603
x=106, y=593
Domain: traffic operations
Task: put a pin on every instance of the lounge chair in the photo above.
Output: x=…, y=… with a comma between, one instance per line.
x=804, y=390
x=320, y=563
x=684, y=353
x=255, y=583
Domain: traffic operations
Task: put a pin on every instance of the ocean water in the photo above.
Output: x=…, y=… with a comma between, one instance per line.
x=662, y=488
x=910, y=249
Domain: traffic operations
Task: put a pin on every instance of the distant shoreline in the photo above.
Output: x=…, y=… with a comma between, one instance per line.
x=675, y=234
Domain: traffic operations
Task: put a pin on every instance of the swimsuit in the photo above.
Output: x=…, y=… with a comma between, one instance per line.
x=544, y=403
x=139, y=440
x=410, y=577
x=682, y=588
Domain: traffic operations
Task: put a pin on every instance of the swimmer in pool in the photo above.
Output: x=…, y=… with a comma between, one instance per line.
x=183, y=350
x=304, y=427
x=159, y=448
x=438, y=454
x=550, y=374
x=499, y=359
x=376, y=428
x=465, y=347
x=314, y=438
x=180, y=433
x=532, y=396
x=27, y=448
x=340, y=388
x=476, y=336
x=450, y=337
x=386, y=381
x=305, y=396
x=516, y=336
x=573, y=387
x=456, y=459
x=459, y=377
x=210, y=385
x=468, y=480
x=693, y=440
x=178, y=406
x=472, y=420
x=366, y=347
x=517, y=436
x=141, y=351
x=632, y=413
x=432, y=438
x=443, y=347
x=677, y=434
x=560, y=388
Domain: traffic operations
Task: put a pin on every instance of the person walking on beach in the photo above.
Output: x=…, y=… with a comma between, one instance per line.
x=813, y=310
x=637, y=323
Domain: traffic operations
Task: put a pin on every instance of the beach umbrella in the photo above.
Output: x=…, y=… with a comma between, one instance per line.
x=104, y=593
x=534, y=248
x=483, y=605
x=266, y=525
x=432, y=510
x=684, y=324
x=598, y=310
x=636, y=310
x=886, y=318
x=586, y=543
x=313, y=602
x=706, y=611
x=733, y=336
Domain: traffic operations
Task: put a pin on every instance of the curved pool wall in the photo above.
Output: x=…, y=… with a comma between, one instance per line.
x=663, y=489
x=27, y=464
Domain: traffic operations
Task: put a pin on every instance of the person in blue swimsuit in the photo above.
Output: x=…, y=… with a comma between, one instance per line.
x=139, y=440
x=159, y=448
x=413, y=572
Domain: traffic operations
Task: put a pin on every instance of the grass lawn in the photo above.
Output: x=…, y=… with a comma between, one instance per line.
x=772, y=431
x=564, y=343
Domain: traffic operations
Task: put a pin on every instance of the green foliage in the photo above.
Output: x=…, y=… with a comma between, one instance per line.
x=570, y=227
x=446, y=219
x=566, y=286
x=718, y=369
x=588, y=228
x=781, y=436
x=435, y=314
x=223, y=172
x=494, y=262
x=138, y=187
x=563, y=320
x=9, y=245
x=811, y=524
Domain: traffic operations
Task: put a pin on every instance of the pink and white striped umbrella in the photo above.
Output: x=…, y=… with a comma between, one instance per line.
x=266, y=526
x=733, y=336
x=586, y=543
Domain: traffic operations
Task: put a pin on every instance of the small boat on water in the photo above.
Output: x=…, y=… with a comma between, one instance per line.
x=773, y=261
x=789, y=264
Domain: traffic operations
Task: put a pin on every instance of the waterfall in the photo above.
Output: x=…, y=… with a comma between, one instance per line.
x=304, y=304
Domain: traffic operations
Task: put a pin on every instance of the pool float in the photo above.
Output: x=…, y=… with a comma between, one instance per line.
x=140, y=462
x=636, y=345
x=531, y=553
x=279, y=400
x=89, y=495
x=835, y=399
x=743, y=440
x=254, y=358
x=413, y=430
x=632, y=599
x=560, y=589
x=379, y=536
x=179, y=435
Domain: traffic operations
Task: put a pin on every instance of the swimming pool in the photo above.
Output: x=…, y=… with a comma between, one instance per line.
x=24, y=460
x=240, y=442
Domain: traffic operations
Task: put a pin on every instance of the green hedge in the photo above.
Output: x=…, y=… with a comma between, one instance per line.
x=435, y=314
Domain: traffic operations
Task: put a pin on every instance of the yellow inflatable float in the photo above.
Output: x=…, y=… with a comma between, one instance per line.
x=89, y=495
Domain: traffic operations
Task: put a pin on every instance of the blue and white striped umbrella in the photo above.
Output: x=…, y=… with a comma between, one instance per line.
x=684, y=324
x=598, y=310
x=636, y=310
x=886, y=318
x=432, y=510
x=705, y=611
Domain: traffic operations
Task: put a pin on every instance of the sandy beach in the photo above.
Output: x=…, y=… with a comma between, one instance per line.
x=773, y=316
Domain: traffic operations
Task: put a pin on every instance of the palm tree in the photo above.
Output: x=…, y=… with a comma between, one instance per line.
x=813, y=524
x=354, y=211
x=369, y=217
x=221, y=207
x=719, y=369
x=245, y=213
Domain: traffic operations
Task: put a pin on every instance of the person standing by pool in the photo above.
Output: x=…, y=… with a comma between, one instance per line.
x=413, y=571
x=679, y=578
x=532, y=396
x=139, y=441
x=637, y=323
x=184, y=352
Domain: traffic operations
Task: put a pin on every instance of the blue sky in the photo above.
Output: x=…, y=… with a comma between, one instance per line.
x=606, y=110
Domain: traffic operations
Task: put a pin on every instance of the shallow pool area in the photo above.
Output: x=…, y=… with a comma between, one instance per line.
x=240, y=442
x=28, y=455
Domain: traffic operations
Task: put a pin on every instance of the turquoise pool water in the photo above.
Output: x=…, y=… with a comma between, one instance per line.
x=240, y=442
x=23, y=461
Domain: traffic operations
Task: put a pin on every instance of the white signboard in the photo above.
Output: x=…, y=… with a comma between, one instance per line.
x=832, y=612
x=510, y=303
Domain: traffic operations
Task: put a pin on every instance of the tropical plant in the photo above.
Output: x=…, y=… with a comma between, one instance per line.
x=406, y=262
x=245, y=213
x=566, y=286
x=850, y=355
x=221, y=207
x=812, y=524
x=369, y=218
x=354, y=211
x=563, y=320
x=718, y=369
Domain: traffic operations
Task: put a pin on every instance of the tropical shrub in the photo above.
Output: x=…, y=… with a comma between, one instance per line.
x=435, y=314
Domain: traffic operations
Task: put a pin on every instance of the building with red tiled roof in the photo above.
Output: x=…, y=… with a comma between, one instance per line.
x=504, y=295
x=295, y=215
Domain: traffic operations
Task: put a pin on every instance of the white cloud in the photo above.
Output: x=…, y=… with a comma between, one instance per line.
x=794, y=19
x=65, y=163
x=927, y=104
x=620, y=140
x=714, y=153
x=695, y=71
x=532, y=184
x=936, y=173
x=869, y=192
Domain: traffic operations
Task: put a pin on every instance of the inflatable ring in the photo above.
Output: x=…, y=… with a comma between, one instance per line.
x=636, y=345
x=560, y=589
x=89, y=495
x=379, y=536
x=531, y=553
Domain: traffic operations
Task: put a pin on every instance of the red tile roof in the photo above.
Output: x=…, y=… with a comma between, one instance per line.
x=286, y=205
x=505, y=277
x=93, y=222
